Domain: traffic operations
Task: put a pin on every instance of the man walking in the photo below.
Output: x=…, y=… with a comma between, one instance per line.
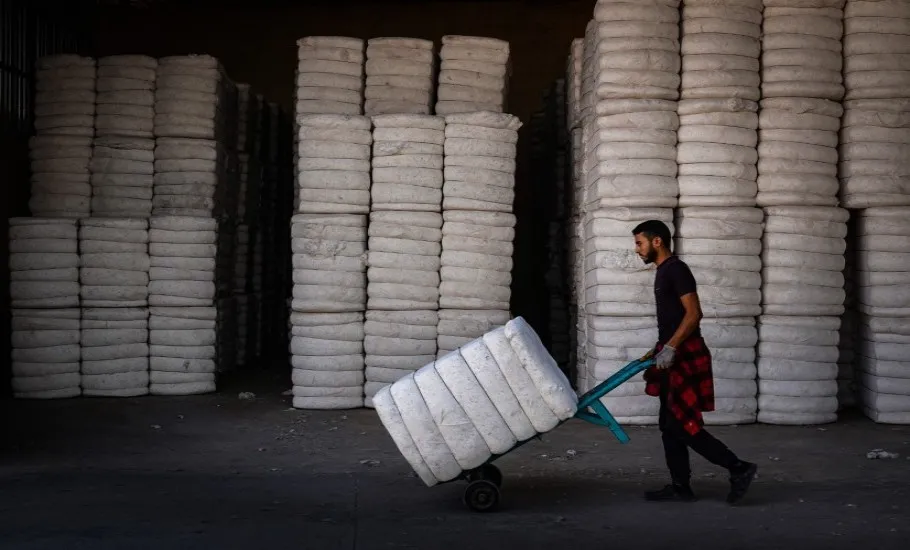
x=682, y=376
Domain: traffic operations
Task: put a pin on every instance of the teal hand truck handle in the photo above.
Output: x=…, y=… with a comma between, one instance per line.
x=591, y=409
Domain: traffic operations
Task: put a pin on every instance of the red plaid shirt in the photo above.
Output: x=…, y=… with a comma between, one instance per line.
x=691, y=382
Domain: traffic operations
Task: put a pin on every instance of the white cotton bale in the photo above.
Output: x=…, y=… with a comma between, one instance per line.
x=475, y=276
x=183, y=388
x=473, y=260
x=301, y=345
x=421, y=297
x=418, y=422
x=115, y=351
x=398, y=346
x=92, y=337
x=399, y=330
x=403, y=276
x=393, y=148
x=772, y=117
x=182, y=352
x=435, y=162
x=796, y=411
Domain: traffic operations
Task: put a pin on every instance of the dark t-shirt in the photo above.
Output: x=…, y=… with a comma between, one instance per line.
x=673, y=279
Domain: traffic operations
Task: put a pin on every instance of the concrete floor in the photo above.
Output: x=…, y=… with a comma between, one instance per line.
x=219, y=472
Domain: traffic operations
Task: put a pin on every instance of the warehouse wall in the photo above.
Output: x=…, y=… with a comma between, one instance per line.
x=258, y=46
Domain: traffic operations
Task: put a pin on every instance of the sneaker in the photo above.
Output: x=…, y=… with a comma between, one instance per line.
x=739, y=482
x=672, y=492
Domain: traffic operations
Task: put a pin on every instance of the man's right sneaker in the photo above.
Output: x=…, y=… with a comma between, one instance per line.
x=740, y=481
x=672, y=492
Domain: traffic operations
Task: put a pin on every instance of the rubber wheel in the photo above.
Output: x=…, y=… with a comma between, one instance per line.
x=481, y=496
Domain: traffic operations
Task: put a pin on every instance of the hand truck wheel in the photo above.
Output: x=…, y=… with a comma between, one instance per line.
x=481, y=496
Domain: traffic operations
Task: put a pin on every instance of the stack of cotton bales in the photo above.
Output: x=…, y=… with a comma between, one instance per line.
x=574, y=70
x=576, y=255
x=333, y=164
x=122, y=176
x=722, y=246
x=400, y=76
x=114, y=278
x=329, y=75
x=585, y=120
x=719, y=103
x=44, y=292
x=329, y=298
x=803, y=299
x=803, y=250
x=797, y=156
x=190, y=174
x=195, y=201
x=719, y=228
x=473, y=76
x=802, y=86
x=328, y=242
x=619, y=293
x=629, y=111
x=575, y=221
x=126, y=95
x=182, y=318
x=115, y=360
x=404, y=245
x=876, y=128
x=478, y=226
x=124, y=148
x=407, y=163
x=883, y=265
x=61, y=149
x=575, y=250
x=195, y=127
x=195, y=99
x=476, y=403
x=630, y=144
x=874, y=136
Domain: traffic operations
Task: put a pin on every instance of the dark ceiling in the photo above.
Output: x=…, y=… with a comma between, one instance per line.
x=265, y=3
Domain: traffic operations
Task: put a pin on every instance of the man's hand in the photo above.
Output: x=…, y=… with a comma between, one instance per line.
x=664, y=359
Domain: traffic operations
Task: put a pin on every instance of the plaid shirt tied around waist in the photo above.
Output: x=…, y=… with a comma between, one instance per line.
x=691, y=384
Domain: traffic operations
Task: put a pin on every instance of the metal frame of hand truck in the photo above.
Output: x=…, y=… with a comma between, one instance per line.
x=484, y=482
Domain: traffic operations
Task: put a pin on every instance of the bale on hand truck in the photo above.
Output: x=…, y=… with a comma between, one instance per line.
x=453, y=418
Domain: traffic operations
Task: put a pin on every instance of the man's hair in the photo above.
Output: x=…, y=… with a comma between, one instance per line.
x=655, y=228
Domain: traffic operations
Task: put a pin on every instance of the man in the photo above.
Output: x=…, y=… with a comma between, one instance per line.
x=682, y=376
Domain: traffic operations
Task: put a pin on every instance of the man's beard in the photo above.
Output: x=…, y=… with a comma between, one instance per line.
x=650, y=258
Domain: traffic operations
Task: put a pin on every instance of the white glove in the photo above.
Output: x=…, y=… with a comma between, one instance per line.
x=664, y=359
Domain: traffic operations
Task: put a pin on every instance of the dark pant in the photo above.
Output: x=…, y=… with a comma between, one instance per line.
x=677, y=441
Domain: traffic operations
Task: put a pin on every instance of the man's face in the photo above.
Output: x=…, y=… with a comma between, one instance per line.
x=645, y=248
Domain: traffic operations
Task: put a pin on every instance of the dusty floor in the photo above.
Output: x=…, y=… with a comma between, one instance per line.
x=219, y=472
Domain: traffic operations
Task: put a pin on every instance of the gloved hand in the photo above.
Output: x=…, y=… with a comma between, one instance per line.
x=664, y=359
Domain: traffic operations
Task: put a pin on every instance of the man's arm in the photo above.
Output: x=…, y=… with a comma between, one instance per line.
x=690, y=321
